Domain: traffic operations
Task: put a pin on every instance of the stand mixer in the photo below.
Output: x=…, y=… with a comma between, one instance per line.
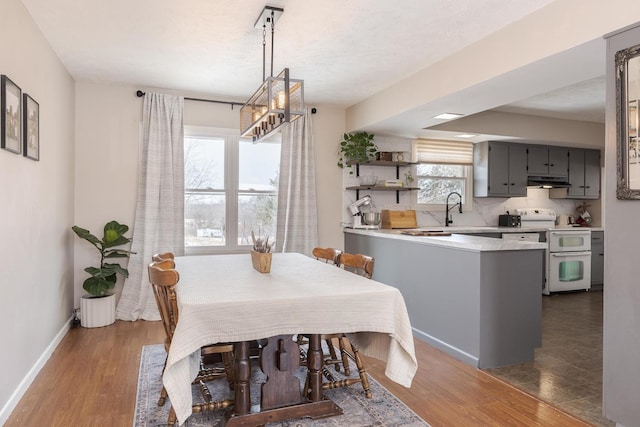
x=356, y=211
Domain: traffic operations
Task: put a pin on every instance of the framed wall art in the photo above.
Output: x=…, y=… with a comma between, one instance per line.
x=31, y=130
x=11, y=115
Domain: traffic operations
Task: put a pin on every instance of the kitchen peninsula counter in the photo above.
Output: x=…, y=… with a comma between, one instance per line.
x=476, y=298
x=459, y=238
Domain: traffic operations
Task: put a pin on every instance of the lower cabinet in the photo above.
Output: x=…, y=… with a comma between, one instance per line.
x=597, y=257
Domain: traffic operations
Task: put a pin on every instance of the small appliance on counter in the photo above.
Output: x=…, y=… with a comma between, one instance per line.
x=508, y=220
x=364, y=220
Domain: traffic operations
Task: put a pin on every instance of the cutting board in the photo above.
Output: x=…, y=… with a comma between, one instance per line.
x=399, y=219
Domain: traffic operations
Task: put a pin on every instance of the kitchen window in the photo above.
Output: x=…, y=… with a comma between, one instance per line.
x=231, y=188
x=442, y=167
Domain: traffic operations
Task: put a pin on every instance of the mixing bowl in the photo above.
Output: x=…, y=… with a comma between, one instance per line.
x=371, y=218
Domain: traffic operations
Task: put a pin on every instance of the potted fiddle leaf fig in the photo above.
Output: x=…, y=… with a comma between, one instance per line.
x=356, y=147
x=98, y=308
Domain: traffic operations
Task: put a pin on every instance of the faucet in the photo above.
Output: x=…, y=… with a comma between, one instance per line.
x=448, y=221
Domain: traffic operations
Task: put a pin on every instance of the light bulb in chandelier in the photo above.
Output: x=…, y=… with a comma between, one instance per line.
x=280, y=103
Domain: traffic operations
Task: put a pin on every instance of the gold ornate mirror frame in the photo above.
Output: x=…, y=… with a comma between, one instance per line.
x=627, y=115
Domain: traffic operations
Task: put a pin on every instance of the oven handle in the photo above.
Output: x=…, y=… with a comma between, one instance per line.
x=568, y=254
x=570, y=233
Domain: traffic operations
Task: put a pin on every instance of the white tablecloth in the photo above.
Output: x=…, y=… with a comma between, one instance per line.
x=222, y=298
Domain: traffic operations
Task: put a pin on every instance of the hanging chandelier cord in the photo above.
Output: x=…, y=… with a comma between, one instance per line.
x=264, y=51
x=272, y=32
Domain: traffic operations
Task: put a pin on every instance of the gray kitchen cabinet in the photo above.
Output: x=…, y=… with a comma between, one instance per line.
x=499, y=169
x=584, y=174
x=543, y=160
x=597, y=257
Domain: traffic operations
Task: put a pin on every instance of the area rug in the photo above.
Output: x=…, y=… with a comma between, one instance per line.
x=383, y=409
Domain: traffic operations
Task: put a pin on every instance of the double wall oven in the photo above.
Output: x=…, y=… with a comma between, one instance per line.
x=568, y=260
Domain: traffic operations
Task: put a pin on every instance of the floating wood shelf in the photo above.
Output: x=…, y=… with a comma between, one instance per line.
x=359, y=188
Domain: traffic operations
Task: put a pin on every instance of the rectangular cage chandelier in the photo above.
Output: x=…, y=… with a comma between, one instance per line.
x=279, y=100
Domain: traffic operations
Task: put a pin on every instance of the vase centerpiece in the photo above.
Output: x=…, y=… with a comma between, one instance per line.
x=261, y=254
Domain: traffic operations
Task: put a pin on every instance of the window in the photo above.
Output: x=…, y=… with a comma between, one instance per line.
x=231, y=188
x=443, y=167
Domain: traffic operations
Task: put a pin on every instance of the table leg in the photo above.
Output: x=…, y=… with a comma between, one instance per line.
x=314, y=365
x=318, y=407
x=242, y=374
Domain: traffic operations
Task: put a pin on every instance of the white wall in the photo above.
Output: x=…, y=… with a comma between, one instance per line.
x=621, y=380
x=108, y=117
x=107, y=121
x=36, y=210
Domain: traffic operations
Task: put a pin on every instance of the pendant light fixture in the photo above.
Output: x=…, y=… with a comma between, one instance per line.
x=279, y=100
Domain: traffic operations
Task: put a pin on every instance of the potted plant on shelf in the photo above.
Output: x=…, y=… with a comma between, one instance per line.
x=99, y=307
x=356, y=147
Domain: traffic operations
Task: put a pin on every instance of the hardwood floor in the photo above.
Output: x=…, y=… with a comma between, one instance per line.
x=90, y=380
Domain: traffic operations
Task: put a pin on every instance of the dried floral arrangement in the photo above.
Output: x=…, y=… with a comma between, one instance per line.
x=260, y=244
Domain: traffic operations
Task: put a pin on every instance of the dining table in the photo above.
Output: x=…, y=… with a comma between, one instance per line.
x=222, y=299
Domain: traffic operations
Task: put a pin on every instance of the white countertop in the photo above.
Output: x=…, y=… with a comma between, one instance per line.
x=457, y=241
x=472, y=243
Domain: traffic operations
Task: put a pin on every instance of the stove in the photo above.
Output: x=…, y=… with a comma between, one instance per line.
x=537, y=217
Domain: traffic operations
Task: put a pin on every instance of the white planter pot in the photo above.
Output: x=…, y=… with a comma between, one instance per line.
x=96, y=312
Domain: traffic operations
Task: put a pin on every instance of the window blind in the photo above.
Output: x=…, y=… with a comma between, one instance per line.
x=443, y=152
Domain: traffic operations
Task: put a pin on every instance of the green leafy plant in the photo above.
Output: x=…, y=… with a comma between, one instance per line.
x=356, y=147
x=103, y=279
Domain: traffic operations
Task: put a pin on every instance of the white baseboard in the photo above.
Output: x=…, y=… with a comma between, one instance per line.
x=33, y=372
x=459, y=354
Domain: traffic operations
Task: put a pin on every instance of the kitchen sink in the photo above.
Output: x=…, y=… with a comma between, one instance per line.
x=426, y=232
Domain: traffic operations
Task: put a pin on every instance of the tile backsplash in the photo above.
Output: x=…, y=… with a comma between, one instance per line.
x=485, y=211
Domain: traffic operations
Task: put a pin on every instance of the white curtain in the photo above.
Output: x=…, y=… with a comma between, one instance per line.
x=159, y=221
x=297, y=211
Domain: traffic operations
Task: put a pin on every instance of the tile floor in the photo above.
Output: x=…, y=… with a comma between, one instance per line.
x=567, y=370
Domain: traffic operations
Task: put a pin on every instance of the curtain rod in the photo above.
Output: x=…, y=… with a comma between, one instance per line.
x=140, y=94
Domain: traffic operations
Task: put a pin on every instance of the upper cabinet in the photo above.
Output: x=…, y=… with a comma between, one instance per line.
x=502, y=169
x=543, y=160
x=499, y=169
x=584, y=175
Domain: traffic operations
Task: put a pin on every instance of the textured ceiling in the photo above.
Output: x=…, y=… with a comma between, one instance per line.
x=582, y=101
x=345, y=50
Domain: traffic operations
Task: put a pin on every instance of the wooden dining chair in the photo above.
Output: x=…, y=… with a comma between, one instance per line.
x=357, y=263
x=361, y=265
x=328, y=255
x=164, y=278
x=162, y=256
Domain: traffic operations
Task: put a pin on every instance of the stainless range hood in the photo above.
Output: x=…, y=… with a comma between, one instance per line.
x=548, y=182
